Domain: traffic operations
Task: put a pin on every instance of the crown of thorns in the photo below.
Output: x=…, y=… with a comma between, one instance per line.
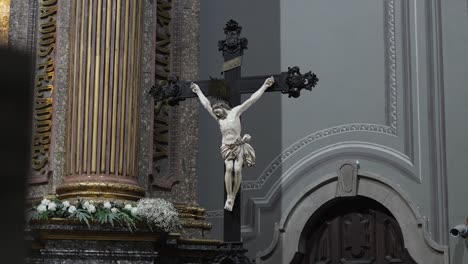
x=221, y=105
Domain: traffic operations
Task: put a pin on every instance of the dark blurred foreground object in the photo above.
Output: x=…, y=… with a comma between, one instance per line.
x=15, y=138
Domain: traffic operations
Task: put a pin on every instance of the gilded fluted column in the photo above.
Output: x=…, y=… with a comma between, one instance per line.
x=105, y=71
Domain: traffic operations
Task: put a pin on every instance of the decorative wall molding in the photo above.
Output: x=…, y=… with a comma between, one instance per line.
x=305, y=141
x=436, y=129
x=407, y=79
x=390, y=65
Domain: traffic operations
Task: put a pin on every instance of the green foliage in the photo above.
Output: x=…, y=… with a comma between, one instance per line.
x=105, y=216
x=126, y=220
x=82, y=215
x=43, y=216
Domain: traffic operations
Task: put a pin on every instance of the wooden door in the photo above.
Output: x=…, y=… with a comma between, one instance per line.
x=354, y=231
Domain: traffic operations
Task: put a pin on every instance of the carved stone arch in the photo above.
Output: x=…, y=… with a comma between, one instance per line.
x=285, y=246
x=352, y=230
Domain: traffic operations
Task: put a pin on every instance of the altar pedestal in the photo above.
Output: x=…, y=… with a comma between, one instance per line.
x=64, y=241
x=68, y=241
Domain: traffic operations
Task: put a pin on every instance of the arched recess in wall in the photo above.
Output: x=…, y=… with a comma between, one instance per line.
x=350, y=230
x=288, y=231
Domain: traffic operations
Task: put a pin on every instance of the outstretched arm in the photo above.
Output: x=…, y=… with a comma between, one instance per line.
x=203, y=100
x=255, y=96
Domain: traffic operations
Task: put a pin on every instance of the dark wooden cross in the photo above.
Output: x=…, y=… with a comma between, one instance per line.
x=230, y=89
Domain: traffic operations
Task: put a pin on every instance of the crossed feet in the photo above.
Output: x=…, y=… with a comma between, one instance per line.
x=229, y=204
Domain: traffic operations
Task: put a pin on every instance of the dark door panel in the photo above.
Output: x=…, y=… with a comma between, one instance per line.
x=354, y=230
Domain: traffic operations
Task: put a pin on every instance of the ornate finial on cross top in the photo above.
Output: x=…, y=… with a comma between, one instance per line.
x=233, y=43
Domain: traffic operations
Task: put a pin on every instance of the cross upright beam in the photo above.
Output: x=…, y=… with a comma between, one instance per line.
x=230, y=89
x=233, y=49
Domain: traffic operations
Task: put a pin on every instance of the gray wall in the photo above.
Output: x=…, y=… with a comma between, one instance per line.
x=455, y=41
x=392, y=87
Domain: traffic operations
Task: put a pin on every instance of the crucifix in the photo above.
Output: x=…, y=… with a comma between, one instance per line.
x=230, y=90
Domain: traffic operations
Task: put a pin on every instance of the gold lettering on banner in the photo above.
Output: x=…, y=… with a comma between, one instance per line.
x=44, y=88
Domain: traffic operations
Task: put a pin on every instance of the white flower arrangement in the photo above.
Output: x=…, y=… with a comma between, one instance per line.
x=157, y=213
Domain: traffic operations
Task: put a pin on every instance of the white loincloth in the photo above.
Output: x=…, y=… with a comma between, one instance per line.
x=239, y=149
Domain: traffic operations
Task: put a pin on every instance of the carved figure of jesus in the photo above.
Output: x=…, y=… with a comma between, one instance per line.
x=235, y=150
